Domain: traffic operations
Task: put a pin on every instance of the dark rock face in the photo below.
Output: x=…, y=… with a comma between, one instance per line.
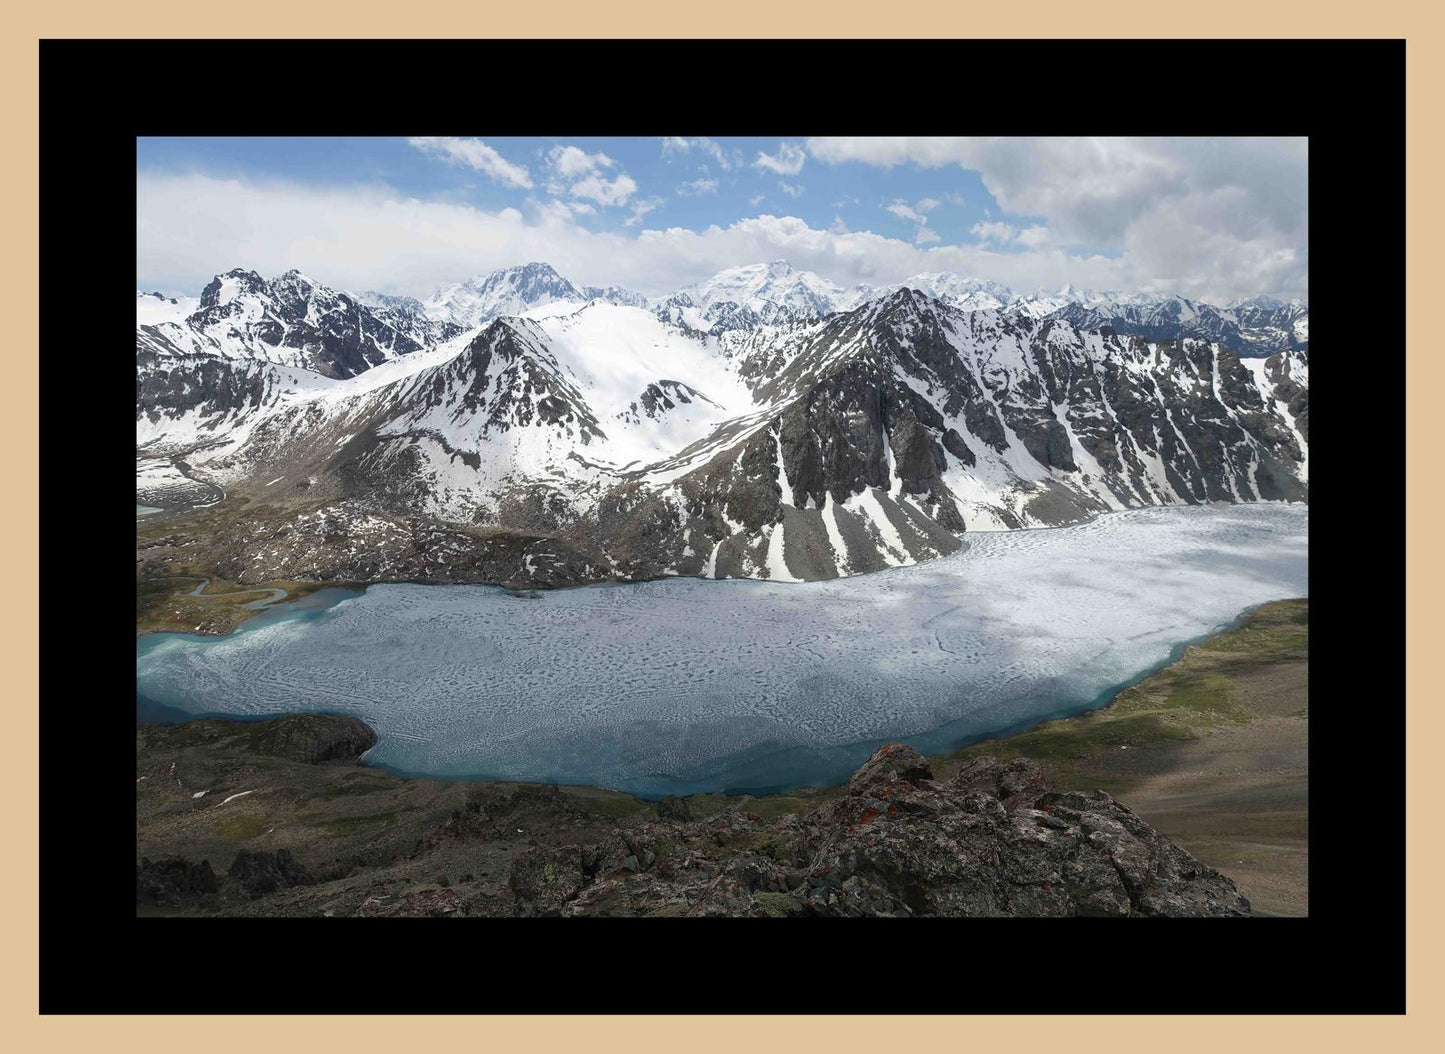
x=171, y=379
x=1254, y=328
x=174, y=882
x=674, y=808
x=262, y=873
x=994, y=840
x=334, y=333
x=889, y=765
x=314, y=738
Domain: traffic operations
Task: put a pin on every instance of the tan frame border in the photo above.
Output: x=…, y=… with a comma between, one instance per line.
x=736, y=18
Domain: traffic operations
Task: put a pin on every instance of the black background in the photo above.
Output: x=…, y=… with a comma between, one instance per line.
x=1347, y=96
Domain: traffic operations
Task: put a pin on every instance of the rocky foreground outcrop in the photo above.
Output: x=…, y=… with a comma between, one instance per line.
x=277, y=818
x=994, y=840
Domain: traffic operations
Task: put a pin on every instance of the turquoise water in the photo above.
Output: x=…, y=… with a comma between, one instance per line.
x=686, y=685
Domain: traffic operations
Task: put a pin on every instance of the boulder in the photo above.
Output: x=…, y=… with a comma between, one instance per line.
x=259, y=873
x=174, y=882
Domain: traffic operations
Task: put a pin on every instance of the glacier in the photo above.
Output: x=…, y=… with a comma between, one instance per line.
x=685, y=685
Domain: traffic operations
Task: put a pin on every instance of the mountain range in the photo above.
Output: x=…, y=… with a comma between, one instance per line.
x=519, y=428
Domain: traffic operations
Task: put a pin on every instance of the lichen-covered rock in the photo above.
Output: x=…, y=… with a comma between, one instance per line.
x=314, y=738
x=994, y=840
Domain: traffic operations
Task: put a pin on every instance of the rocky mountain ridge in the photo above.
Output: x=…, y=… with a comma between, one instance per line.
x=589, y=439
x=990, y=840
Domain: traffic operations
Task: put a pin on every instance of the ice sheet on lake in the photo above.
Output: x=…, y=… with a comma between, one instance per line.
x=684, y=685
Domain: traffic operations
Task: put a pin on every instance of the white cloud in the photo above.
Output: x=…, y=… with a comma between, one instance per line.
x=1188, y=214
x=788, y=161
x=905, y=211
x=475, y=154
x=999, y=233
x=697, y=186
x=994, y=231
x=571, y=161
x=673, y=145
x=790, y=189
x=1034, y=237
x=915, y=213
x=641, y=209
x=604, y=191
x=191, y=227
x=755, y=199
x=578, y=174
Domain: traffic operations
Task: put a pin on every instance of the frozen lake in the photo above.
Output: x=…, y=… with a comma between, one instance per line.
x=688, y=685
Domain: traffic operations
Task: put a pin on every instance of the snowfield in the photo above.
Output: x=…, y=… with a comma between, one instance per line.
x=684, y=685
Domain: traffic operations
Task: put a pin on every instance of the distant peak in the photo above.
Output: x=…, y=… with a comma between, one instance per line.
x=241, y=272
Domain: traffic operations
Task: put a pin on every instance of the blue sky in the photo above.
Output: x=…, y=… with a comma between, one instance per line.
x=1213, y=219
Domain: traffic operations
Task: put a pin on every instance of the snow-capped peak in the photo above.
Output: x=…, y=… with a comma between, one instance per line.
x=515, y=291
x=764, y=288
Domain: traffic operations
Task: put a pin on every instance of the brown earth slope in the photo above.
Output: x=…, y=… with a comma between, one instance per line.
x=276, y=818
x=1213, y=750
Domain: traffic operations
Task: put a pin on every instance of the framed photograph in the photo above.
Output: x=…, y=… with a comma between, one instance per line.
x=579, y=482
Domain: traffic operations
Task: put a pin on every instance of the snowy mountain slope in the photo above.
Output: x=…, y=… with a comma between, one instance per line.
x=1250, y=329
x=292, y=321
x=618, y=441
x=744, y=298
x=904, y=422
x=509, y=291
x=757, y=294
x=516, y=291
x=969, y=294
x=154, y=308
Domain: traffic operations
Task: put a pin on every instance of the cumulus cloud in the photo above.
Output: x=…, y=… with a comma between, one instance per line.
x=572, y=161
x=994, y=231
x=475, y=154
x=1186, y=213
x=697, y=186
x=606, y=192
x=790, y=189
x=788, y=161
x=926, y=235
x=578, y=175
